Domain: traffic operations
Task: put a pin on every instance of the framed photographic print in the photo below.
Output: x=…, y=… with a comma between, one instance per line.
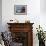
x=20, y=9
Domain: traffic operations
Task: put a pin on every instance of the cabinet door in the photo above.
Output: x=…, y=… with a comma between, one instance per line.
x=20, y=38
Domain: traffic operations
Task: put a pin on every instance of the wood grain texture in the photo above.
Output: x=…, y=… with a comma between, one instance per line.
x=23, y=27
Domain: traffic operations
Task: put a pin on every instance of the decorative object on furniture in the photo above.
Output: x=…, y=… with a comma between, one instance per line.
x=20, y=9
x=41, y=36
x=13, y=21
x=27, y=21
x=22, y=33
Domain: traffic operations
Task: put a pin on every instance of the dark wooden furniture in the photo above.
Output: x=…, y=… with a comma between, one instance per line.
x=22, y=33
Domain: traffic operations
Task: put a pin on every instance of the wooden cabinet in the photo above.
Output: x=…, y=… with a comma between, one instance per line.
x=22, y=33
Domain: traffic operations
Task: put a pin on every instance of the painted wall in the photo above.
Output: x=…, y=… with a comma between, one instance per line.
x=43, y=6
x=33, y=11
x=0, y=15
x=34, y=14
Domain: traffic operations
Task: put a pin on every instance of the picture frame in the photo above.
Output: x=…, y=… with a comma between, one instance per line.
x=20, y=9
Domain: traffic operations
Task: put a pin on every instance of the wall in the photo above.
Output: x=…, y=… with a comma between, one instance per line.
x=34, y=14
x=43, y=14
x=43, y=6
x=0, y=15
x=33, y=11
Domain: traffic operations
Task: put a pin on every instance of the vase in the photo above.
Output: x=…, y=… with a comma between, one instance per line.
x=41, y=43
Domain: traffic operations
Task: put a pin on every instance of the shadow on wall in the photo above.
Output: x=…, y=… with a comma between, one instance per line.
x=0, y=15
x=43, y=6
